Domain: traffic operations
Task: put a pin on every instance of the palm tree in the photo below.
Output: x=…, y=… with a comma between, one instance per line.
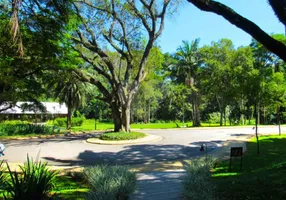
x=188, y=62
x=69, y=89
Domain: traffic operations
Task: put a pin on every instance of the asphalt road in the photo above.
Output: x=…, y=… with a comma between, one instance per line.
x=176, y=144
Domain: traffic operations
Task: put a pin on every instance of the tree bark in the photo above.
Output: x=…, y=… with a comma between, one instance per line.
x=149, y=111
x=221, y=117
x=69, y=118
x=256, y=128
x=125, y=126
x=196, y=110
x=246, y=25
x=278, y=119
x=116, y=115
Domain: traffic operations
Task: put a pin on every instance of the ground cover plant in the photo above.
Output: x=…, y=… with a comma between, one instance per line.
x=109, y=182
x=121, y=136
x=197, y=183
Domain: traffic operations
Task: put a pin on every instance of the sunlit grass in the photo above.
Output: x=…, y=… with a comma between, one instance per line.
x=262, y=176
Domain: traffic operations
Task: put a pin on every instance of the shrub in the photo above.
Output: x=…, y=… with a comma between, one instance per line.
x=76, y=121
x=35, y=181
x=197, y=183
x=14, y=122
x=121, y=136
x=24, y=129
x=109, y=182
x=214, y=118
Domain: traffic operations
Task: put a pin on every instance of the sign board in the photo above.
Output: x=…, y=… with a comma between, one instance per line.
x=236, y=151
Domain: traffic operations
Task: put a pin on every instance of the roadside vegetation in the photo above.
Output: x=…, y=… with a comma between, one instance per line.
x=35, y=180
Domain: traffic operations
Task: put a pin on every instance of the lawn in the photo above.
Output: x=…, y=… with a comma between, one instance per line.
x=70, y=187
x=262, y=177
x=89, y=125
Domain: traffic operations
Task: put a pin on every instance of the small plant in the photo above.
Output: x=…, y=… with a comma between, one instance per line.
x=109, y=182
x=197, y=183
x=3, y=176
x=35, y=181
x=121, y=136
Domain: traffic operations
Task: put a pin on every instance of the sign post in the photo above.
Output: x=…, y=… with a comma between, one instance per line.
x=236, y=152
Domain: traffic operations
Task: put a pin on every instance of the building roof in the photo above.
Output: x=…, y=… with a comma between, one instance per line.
x=51, y=108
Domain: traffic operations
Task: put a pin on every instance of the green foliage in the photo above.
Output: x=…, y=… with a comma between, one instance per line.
x=15, y=122
x=121, y=136
x=214, y=118
x=25, y=129
x=76, y=121
x=35, y=181
x=197, y=183
x=109, y=182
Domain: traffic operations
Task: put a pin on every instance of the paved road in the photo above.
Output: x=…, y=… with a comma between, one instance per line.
x=176, y=144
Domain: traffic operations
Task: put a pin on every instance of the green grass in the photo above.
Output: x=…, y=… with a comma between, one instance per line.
x=262, y=177
x=89, y=125
x=70, y=187
x=121, y=136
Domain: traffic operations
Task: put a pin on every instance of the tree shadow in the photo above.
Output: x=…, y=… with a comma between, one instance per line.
x=58, y=139
x=134, y=154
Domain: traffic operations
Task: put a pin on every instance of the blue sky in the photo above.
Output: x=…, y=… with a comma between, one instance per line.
x=190, y=23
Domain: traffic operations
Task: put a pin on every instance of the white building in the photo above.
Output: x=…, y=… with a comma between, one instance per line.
x=53, y=109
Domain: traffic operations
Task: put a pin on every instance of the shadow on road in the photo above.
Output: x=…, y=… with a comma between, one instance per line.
x=69, y=138
x=134, y=154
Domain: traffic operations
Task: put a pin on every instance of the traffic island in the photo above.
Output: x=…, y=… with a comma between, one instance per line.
x=148, y=138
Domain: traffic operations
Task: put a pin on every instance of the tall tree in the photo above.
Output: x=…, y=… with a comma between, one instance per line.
x=188, y=61
x=128, y=27
x=69, y=89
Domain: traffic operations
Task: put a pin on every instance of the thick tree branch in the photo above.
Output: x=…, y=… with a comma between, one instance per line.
x=84, y=77
x=248, y=26
x=279, y=7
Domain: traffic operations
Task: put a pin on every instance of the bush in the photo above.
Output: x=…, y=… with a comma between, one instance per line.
x=109, y=182
x=197, y=183
x=121, y=136
x=76, y=121
x=15, y=122
x=24, y=129
x=35, y=181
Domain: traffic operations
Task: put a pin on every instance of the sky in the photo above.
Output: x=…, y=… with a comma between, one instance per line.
x=190, y=23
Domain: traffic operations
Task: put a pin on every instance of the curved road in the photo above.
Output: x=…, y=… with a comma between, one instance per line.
x=176, y=144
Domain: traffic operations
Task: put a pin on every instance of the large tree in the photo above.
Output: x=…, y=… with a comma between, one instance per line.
x=188, y=63
x=129, y=28
x=273, y=45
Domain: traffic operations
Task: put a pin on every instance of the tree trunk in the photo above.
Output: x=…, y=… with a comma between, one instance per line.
x=278, y=119
x=224, y=116
x=116, y=115
x=221, y=117
x=196, y=110
x=258, y=114
x=256, y=128
x=125, y=126
x=149, y=111
x=69, y=118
